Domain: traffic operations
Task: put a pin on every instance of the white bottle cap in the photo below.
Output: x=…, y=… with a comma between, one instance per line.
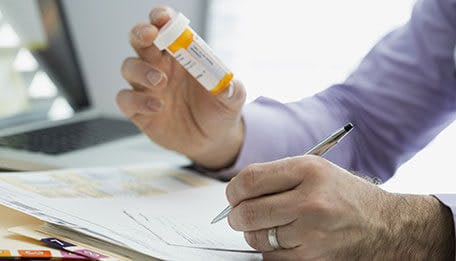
x=171, y=31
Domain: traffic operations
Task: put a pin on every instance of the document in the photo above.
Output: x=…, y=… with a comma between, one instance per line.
x=138, y=181
x=196, y=233
x=76, y=214
x=188, y=223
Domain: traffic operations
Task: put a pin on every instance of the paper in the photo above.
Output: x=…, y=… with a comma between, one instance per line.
x=196, y=233
x=102, y=218
x=188, y=223
x=106, y=182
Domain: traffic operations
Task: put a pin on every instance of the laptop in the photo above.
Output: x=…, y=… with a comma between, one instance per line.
x=46, y=118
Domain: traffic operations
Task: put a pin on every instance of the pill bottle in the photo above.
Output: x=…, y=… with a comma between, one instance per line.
x=179, y=40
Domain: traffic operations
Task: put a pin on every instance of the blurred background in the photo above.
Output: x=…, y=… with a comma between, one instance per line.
x=285, y=49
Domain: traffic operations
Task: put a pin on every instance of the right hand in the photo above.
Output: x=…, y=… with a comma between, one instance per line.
x=172, y=108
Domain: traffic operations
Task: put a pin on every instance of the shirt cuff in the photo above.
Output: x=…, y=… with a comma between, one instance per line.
x=449, y=200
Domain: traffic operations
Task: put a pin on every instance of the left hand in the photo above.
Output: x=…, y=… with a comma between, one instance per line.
x=322, y=211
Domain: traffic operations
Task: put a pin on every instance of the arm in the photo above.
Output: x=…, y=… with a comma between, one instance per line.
x=401, y=96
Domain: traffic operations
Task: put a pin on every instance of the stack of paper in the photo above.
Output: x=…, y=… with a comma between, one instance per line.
x=126, y=213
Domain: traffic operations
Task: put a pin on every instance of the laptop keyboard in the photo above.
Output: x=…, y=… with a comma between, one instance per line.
x=70, y=137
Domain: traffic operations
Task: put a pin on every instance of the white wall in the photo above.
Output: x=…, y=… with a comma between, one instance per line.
x=100, y=32
x=291, y=49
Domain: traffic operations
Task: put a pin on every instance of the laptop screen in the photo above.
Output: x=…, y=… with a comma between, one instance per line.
x=39, y=74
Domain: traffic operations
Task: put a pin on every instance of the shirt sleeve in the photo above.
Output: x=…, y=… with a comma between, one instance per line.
x=399, y=98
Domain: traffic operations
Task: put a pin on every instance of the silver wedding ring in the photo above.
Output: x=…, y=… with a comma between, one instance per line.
x=272, y=237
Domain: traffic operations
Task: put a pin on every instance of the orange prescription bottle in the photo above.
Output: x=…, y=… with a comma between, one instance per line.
x=193, y=54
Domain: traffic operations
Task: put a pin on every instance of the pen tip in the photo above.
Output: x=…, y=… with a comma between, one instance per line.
x=348, y=127
x=217, y=219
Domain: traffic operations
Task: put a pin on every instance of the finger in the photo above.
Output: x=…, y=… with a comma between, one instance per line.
x=136, y=71
x=262, y=179
x=148, y=124
x=288, y=237
x=142, y=38
x=234, y=96
x=161, y=15
x=132, y=103
x=143, y=35
x=264, y=212
x=284, y=254
x=138, y=87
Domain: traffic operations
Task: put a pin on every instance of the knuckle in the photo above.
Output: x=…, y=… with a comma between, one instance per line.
x=311, y=167
x=320, y=207
x=299, y=164
x=315, y=162
x=231, y=194
x=319, y=236
x=248, y=177
x=309, y=162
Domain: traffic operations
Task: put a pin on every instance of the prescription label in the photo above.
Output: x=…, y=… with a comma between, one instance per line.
x=202, y=65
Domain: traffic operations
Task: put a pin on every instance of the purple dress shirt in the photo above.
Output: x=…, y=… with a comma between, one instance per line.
x=399, y=98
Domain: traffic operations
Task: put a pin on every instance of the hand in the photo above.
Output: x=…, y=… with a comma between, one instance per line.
x=324, y=212
x=172, y=108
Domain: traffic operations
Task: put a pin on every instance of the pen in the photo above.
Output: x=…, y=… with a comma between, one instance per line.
x=319, y=149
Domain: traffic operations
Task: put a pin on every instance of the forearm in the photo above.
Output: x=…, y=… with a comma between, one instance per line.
x=418, y=228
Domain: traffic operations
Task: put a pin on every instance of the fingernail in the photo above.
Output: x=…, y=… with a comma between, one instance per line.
x=230, y=91
x=154, y=77
x=154, y=105
x=141, y=32
x=157, y=15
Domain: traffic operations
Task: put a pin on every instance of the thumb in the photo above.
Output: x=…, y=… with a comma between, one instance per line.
x=234, y=96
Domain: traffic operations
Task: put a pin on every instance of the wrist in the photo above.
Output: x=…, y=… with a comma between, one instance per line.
x=419, y=227
x=222, y=153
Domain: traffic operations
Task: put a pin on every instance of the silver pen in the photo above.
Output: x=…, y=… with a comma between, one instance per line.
x=319, y=149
